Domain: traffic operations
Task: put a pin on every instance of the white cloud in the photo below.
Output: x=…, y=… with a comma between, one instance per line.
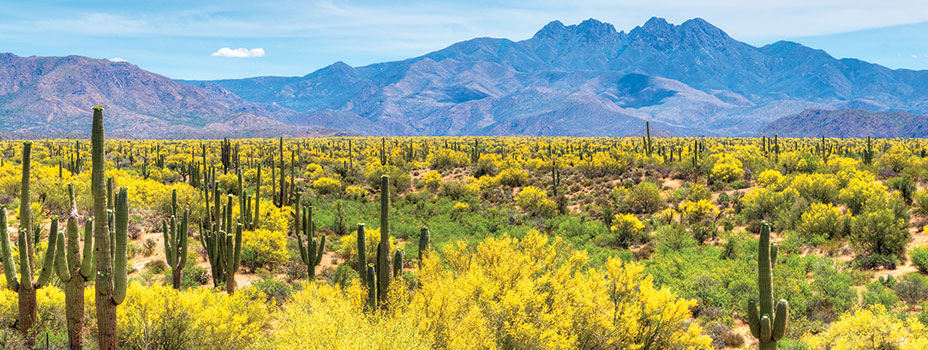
x=239, y=52
x=118, y=59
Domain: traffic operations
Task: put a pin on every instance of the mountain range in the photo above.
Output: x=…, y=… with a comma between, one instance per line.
x=586, y=79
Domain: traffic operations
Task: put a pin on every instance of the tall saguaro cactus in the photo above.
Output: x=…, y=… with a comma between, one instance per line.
x=223, y=248
x=175, y=241
x=311, y=252
x=26, y=240
x=74, y=270
x=111, y=266
x=769, y=325
x=385, y=270
x=282, y=198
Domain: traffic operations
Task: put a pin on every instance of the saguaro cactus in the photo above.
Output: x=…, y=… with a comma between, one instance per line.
x=555, y=177
x=74, y=270
x=223, y=249
x=311, y=252
x=424, y=240
x=769, y=325
x=175, y=241
x=110, y=258
x=385, y=270
x=647, y=143
x=26, y=240
x=362, y=251
x=371, y=288
x=282, y=198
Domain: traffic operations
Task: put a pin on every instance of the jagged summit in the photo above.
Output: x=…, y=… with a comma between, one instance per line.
x=583, y=79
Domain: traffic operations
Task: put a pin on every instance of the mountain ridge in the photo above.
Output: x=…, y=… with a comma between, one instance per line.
x=734, y=88
x=584, y=79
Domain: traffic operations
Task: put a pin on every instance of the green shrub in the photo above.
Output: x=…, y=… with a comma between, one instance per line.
x=912, y=288
x=644, y=198
x=919, y=257
x=879, y=233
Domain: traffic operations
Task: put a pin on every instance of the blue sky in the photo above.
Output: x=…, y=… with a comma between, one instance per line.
x=184, y=39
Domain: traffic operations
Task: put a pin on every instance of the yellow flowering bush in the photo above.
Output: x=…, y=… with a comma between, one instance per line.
x=816, y=187
x=264, y=248
x=695, y=212
x=197, y=318
x=769, y=178
x=858, y=192
x=445, y=158
x=535, y=201
x=513, y=177
x=355, y=192
x=728, y=169
x=432, y=180
x=821, y=222
x=627, y=230
x=323, y=317
x=326, y=185
x=313, y=171
x=871, y=328
x=536, y=294
x=460, y=207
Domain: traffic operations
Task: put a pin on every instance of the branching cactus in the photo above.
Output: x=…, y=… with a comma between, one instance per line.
x=175, y=241
x=767, y=325
x=223, y=249
x=110, y=244
x=282, y=197
x=26, y=287
x=75, y=268
x=310, y=252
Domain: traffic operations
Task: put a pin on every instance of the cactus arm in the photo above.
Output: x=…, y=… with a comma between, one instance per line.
x=237, y=258
x=753, y=318
x=87, y=265
x=168, y=242
x=25, y=275
x=299, y=240
x=320, y=250
x=774, y=249
x=48, y=264
x=8, y=268
x=780, y=320
x=61, y=260
x=120, y=271
x=765, y=331
x=182, y=259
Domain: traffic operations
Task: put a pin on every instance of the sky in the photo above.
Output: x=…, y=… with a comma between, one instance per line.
x=199, y=39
